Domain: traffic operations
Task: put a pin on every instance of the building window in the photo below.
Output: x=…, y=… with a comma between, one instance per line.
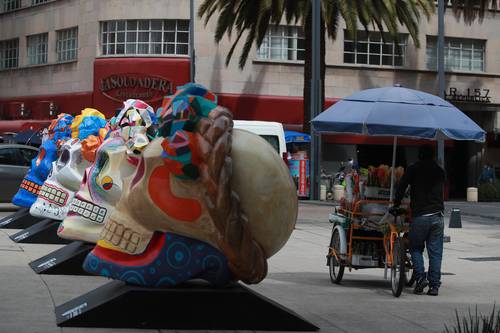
x=67, y=44
x=282, y=43
x=143, y=37
x=374, y=48
x=460, y=54
x=37, y=49
x=37, y=2
x=9, y=53
x=9, y=5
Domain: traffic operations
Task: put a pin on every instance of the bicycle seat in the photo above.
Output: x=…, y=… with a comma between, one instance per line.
x=397, y=211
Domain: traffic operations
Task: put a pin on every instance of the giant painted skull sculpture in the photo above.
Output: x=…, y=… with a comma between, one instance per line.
x=41, y=165
x=67, y=172
x=205, y=202
x=136, y=124
x=116, y=159
x=100, y=189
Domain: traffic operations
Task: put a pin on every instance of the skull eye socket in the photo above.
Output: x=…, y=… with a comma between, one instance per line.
x=63, y=159
x=101, y=161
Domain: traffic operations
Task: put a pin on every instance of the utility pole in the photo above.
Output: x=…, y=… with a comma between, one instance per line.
x=440, y=68
x=192, y=53
x=315, y=100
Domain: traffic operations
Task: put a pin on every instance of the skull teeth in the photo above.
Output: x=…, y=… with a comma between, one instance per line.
x=30, y=186
x=53, y=194
x=120, y=236
x=88, y=210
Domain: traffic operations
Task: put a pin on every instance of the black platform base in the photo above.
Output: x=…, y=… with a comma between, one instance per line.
x=19, y=220
x=190, y=306
x=44, y=232
x=67, y=260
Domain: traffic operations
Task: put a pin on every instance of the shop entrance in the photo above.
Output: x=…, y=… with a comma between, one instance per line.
x=456, y=169
x=380, y=154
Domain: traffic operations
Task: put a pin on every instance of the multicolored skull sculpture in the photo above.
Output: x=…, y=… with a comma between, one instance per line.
x=58, y=131
x=100, y=189
x=67, y=172
x=205, y=201
x=102, y=186
x=136, y=124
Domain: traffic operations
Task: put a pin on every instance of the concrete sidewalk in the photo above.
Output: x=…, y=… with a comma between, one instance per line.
x=298, y=279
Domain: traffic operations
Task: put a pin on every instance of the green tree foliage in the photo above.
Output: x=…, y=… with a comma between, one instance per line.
x=250, y=19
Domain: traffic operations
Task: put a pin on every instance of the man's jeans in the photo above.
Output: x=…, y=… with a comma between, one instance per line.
x=427, y=231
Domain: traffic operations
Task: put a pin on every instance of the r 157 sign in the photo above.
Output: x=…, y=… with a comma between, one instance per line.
x=477, y=95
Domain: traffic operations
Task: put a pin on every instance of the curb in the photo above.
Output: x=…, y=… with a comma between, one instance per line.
x=7, y=207
x=333, y=203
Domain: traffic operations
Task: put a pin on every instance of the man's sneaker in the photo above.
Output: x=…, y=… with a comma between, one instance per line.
x=419, y=288
x=433, y=291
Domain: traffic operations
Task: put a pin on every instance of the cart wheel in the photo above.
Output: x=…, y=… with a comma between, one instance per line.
x=398, y=268
x=336, y=268
x=409, y=272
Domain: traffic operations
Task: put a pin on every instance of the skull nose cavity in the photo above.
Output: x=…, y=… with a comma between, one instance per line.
x=64, y=159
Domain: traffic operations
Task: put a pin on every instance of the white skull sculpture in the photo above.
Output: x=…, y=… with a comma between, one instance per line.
x=100, y=189
x=60, y=187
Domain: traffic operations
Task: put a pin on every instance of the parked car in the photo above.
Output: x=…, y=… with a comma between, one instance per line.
x=15, y=161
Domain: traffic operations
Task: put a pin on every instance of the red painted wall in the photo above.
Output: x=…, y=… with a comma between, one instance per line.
x=37, y=107
x=285, y=109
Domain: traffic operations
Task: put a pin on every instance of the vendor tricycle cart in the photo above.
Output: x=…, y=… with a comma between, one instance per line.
x=390, y=112
x=356, y=244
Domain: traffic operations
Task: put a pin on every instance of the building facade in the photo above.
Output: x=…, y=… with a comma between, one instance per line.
x=64, y=55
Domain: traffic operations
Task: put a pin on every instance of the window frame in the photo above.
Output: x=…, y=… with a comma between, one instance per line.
x=10, y=5
x=286, y=34
x=116, y=34
x=65, y=37
x=431, y=54
x=5, y=49
x=382, y=41
x=37, y=49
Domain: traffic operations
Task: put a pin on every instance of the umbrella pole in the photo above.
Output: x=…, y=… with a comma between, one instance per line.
x=391, y=196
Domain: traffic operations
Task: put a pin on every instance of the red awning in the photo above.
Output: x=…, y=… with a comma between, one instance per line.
x=22, y=125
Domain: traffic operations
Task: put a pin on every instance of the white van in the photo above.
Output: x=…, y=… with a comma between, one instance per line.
x=271, y=131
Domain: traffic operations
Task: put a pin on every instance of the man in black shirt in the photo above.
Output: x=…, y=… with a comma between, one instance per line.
x=426, y=179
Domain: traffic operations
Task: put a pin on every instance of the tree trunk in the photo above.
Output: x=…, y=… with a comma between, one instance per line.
x=306, y=126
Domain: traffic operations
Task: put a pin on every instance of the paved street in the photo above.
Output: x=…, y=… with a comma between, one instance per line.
x=298, y=279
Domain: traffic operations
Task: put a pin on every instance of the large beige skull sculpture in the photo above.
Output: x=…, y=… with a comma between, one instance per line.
x=243, y=203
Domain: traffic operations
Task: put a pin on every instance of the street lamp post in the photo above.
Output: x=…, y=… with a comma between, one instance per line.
x=315, y=99
x=191, y=42
x=440, y=68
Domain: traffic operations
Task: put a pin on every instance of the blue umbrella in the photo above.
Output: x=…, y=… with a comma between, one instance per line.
x=397, y=111
x=29, y=137
x=293, y=136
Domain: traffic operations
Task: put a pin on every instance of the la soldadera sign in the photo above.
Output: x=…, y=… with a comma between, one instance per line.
x=149, y=88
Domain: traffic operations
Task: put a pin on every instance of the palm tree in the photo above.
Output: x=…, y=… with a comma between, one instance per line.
x=254, y=17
